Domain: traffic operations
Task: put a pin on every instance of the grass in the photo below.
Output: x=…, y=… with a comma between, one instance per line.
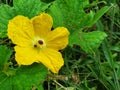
x=97, y=71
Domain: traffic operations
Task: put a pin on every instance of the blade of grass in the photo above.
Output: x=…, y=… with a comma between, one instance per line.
x=102, y=80
x=108, y=54
x=99, y=74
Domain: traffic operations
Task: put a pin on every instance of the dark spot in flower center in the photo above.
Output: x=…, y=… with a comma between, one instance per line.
x=40, y=42
x=35, y=46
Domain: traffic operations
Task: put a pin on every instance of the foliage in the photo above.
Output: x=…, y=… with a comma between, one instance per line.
x=4, y=54
x=91, y=58
x=23, y=78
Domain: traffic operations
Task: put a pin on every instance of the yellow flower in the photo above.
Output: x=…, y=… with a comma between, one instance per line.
x=35, y=42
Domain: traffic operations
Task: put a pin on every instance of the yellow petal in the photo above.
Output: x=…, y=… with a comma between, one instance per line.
x=58, y=38
x=51, y=59
x=20, y=30
x=25, y=56
x=42, y=24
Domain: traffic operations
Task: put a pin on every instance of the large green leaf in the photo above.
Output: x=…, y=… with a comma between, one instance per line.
x=5, y=54
x=71, y=14
x=88, y=41
x=68, y=13
x=24, y=78
x=28, y=8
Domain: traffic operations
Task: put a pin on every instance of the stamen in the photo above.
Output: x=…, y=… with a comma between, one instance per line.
x=35, y=45
x=40, y=42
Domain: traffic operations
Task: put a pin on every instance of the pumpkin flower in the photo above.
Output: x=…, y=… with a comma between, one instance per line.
x=35, y=42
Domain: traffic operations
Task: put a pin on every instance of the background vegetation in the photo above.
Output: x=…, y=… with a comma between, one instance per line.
x=90, y=65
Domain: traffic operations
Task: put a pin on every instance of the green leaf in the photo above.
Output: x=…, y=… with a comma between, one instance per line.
x=5, y=54
x=28, y=8
x=73, y=15
x=5, y=15
x=86, y=20
x=74, y=38
x=24, y=78
x=68, y=13
x=88, y=41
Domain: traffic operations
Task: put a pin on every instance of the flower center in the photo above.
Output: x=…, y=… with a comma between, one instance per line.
x=39, y=43
x=35, y=46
